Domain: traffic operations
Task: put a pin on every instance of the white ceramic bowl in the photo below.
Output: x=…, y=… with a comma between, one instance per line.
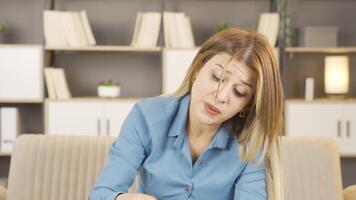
x=108, y=91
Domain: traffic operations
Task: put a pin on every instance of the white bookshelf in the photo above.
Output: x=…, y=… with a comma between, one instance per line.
x=30, y=101
x=4, y=154
x=320, y=49
x=104, y=48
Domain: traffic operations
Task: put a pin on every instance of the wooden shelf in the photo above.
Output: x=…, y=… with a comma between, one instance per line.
x=348, y=155
x=96, y=99
x=102, y=48
x=321, y=49
x=21, y=101
x=323, y=100
x=4, y=154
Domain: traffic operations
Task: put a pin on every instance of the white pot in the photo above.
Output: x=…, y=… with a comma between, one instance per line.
x=108, y=91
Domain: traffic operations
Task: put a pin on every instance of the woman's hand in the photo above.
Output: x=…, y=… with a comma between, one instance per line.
x=135, y=196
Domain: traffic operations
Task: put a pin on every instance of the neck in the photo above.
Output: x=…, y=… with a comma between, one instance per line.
x=196, y=129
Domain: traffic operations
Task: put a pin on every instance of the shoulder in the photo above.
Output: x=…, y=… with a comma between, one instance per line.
x=157, y=109
x=158, y=105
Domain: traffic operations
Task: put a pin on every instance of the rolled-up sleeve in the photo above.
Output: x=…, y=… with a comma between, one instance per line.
x=125, y=158
x=251, y=184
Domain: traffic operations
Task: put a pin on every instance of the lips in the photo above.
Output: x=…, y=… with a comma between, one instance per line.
x=212, y=109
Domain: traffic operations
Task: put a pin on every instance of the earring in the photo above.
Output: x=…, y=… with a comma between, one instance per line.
x=242, y=114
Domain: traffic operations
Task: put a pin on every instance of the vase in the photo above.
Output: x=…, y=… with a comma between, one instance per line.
x=108, y=91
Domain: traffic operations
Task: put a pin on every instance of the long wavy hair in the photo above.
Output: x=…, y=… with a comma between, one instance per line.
x=259, y=132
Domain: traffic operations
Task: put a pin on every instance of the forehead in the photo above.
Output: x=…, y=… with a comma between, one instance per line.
x=232, y=66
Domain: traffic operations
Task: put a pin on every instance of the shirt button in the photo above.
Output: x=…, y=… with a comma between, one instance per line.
x=186, y=188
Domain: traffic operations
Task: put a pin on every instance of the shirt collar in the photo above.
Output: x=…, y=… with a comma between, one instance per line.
x=178, y=127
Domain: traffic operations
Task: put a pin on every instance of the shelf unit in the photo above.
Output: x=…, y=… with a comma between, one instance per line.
x=4, y=154
x=320, y=49
x=299, y=62
x=103, y=25
x=105, y=48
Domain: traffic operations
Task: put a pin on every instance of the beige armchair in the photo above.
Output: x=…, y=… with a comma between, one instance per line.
x=55, y=167
x=65, y=167
x=312, y=170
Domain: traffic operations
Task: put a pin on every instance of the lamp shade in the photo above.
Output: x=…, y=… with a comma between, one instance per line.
x=336, y=75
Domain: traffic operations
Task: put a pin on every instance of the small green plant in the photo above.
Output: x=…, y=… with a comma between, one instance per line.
x=2, y=25
x=222, y=26
x=108, y=83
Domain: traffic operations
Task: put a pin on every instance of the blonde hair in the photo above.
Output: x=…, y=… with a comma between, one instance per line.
x=259, y=133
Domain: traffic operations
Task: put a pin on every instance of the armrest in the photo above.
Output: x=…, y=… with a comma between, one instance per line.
x=2, y=193
x=350, y=193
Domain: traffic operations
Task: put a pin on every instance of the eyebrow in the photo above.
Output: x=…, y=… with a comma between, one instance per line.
x=229, y=72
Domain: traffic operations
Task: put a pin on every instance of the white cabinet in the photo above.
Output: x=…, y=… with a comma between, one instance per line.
x=115, y=113
x=348, y=137
x=175, y=64
x=21, y=73
x=335, y=119
x=86, y=117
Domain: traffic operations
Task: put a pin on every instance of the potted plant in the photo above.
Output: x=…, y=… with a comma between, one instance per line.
x=222, y=26
x=108, y=88
x=2, y=27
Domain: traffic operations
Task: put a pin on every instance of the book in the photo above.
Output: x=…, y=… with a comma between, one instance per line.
x=50, y=83
x=268, y=25
x=9, y=128
x=146, y=30
x=63, y=89
x=70, y=23
x=178, y=31
x=67, y=28
x=57, y=85
x=166, y=28
x=88, y=31
x=137, y=28
x=53, y=28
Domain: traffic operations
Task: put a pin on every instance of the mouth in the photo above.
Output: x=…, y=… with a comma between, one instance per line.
x=211, y=109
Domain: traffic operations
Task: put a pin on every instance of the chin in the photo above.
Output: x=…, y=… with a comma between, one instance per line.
x=205, y=119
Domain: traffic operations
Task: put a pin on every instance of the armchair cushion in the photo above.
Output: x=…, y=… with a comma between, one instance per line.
x=2, y=193
x=350, y=193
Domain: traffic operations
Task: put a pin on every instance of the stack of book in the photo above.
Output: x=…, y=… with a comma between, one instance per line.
x=9, y=128
x=177, y=30
x=268, y=25
x=65, y=28
x=147, y=28
x=176, y=26
x=57, y=86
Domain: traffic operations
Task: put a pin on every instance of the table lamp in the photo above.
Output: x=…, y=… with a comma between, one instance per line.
x=336, y=75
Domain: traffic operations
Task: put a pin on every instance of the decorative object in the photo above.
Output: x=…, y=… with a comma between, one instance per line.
x=2, y=28
x=222, y=26
x=108, y=89
x=319, y=36
x=2, y=25
x=336, y=75
x=309, y=88
x=286, y=10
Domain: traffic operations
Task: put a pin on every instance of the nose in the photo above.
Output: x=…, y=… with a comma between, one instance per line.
x=222, y=93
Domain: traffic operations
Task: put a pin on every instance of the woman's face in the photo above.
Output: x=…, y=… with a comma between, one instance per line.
x=210, y=107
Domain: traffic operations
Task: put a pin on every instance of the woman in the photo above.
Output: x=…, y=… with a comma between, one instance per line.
x=215, y=138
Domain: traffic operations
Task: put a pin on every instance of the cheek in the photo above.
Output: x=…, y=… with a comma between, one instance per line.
x=204, y=85
x=236, y=107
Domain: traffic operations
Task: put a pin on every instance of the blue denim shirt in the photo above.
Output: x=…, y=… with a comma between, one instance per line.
x=153, y=145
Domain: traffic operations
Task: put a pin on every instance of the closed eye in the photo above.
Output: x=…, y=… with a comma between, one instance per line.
x=236, y=92
x=239, y=94
x=215, y=78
